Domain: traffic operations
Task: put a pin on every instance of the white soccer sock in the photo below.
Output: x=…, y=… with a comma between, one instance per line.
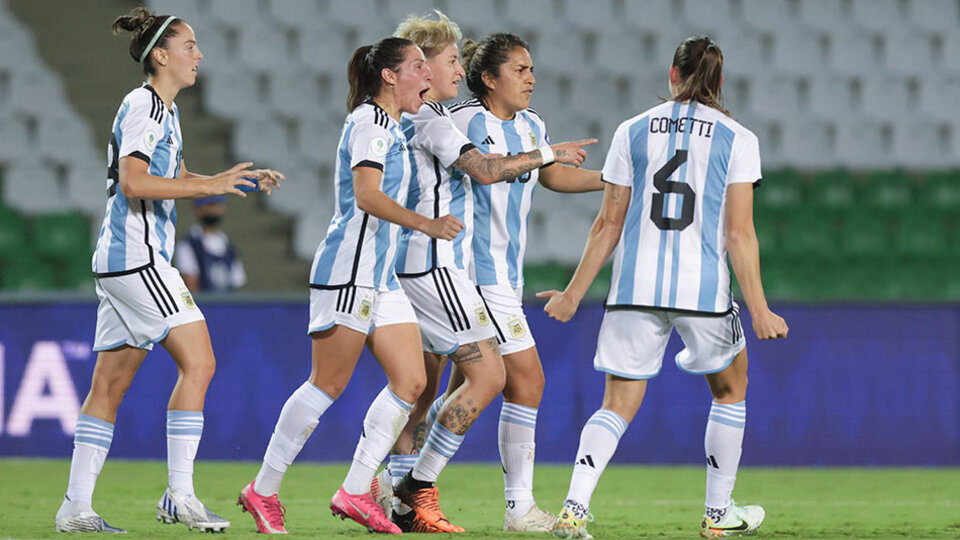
x=598, y=442
x=722, y=442
x=184, y=429
x=399, y=465
x=515, y=435
x=441, y=445
x=91, y=442
x=381, y=427
x=300, y=414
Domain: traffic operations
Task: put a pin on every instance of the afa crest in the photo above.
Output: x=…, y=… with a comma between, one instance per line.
x=365, y=309
x=518, y=330
x=533, y=138
x=482, y=318
x=188, y=299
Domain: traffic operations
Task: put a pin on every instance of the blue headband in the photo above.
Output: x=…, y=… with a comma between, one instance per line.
x=156, y=36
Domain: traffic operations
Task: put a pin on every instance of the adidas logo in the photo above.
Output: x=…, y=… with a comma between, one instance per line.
x=712, y=461
x=169, y=140
x=588, y=461
x=489, y=140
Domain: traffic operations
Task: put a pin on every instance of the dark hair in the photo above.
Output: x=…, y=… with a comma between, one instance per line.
x=144, y=25
x=487, y=56
x=700, y=63
x=365, y=66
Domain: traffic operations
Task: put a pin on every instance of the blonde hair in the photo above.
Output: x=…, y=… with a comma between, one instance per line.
x=431, y=36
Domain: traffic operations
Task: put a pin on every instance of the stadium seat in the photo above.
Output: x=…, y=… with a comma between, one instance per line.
x=810, y=232
x=623, y=53
x=27, y=273
x=556, y=52
x=476, y=18
x=15, y=141
x=828, y=16
x=602, y=15
x=264, y=48
x=400, y=9
x=934, y=92
x=326, y=51
x=767, y=226
x=353, y=13
x=744, y=53
x=767, y=15
x=921, y=232
x=718, y=14
x=297, y=95
x=87, y=187
x=783, y=191
x=310, y=229
x=863, y=145
x=769, y=96
x=239, y=14
x=888, y=189
x=75, y=272
x=935, y=15
x=831, y=98
x=299, y=14
x=262, y=141
x=865, y=232
x=877, y=15
x=59, y=236
x=33, y=189
x=940, y=191
x=808, y=144
x=908, y=53
x=920, y=144
x=887, y=98
x=852, y=53
x=798, y=51
x=304, y=192
x=649, y=16
x=14, y=233
x=231, y=94
x=64, y=139
x=833, y=190
x=317, y=141
x=37, y=91
x=192, y=11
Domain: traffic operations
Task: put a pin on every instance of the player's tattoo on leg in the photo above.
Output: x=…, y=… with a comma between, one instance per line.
x=458, y=417
x=420, y=435
x=467, y=354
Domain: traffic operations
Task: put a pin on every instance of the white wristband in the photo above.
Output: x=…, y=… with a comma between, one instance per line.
x=546, y=154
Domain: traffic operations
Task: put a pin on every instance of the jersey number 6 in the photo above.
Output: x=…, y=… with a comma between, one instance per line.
x=682, y=189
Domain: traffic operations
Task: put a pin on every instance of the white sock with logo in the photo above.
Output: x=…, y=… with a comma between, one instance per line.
x=384, y=421
x=91, y=442
x=515, y=435
x=298, y=418
x=598, y=442
x=184, y=429
x=723, y=443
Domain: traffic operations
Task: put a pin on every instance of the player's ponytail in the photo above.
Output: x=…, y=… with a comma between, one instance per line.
x=366, y=63
x=700, y=63
x=486, y=57
x=149, y=31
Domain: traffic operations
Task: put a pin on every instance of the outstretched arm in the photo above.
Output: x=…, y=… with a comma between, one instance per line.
x=370, y=199
x=136, y=182
x=490, y=168
x=603, y=238
x=744, y=253
x=571, y=179
x=267, y=179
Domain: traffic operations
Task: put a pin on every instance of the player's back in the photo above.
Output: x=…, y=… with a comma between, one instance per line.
x=678, y=158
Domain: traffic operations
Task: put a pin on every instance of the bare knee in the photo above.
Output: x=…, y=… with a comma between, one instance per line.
x=409, y=386
x=110, y=389
x=525, y=388
x=730, y=390
x=199, y=372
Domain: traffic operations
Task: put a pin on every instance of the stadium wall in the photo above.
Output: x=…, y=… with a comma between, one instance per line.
x=853, y=385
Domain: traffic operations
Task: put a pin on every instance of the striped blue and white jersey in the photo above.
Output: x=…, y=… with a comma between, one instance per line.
x=359, y=249
x=501, y=210
x=136, y=233
x=435, y=143
x=678, y=158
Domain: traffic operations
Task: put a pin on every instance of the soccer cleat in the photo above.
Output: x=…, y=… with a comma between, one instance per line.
x=362, y=509
x=535, y=520
x=381, y=489
x=176, y=507
x=75, y=517
x=738, y=521
x=569, y=526
x=404, y=521
x=424, y=499
x=266, y=511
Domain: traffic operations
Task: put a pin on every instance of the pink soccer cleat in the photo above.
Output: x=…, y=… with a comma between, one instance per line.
x=362, y=509
x=267, y=511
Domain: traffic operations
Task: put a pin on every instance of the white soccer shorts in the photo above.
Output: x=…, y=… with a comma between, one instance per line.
x=506, y=309
x=359, y=308
x=631, y=343
x=139, y=309
x=449, y=308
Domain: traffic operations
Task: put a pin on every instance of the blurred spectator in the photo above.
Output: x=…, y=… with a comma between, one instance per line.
x=206, y=258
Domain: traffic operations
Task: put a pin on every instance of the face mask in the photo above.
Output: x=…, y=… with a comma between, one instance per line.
x=211, y=220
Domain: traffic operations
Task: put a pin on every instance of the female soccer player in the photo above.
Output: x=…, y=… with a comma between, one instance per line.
x=679, y=198
x=499, y=72
x=143, y=300
x=355, y=298
x=433, y=273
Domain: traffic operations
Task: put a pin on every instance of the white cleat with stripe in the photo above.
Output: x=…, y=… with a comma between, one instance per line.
x=176, y=507
x=76, y=517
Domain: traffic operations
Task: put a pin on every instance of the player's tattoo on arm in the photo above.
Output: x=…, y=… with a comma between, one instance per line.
x=476, y=164
x=459, y=415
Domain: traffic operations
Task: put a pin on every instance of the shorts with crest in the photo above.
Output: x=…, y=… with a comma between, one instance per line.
x=506, y=309
x=359, y=308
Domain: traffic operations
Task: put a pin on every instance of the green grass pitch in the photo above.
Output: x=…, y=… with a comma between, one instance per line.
x=630, y=502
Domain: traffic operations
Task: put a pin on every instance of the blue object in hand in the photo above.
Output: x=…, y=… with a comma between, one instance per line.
x=256, y=184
